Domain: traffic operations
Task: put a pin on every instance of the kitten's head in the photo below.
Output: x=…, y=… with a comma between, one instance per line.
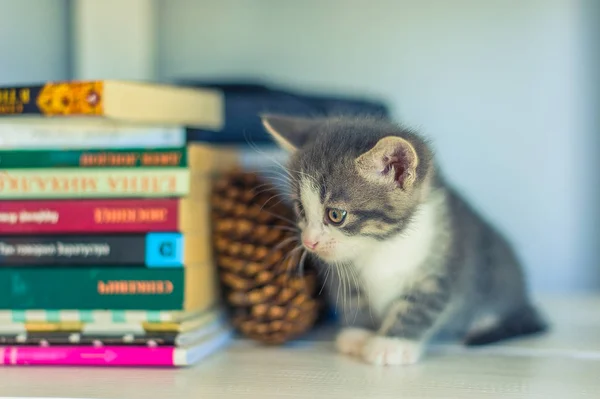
x=355, y=181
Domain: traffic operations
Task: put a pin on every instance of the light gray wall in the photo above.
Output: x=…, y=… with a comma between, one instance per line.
x=504, y=87
x=33, y=41
x=500, y=85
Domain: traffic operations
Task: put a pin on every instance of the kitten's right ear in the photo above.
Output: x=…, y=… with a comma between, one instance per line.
x=289, y=132
x=393, y=160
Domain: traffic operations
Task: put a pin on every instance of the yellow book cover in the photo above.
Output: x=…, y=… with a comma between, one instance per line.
x=139, y=102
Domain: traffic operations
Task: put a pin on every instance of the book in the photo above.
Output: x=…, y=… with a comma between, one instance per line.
x=113, y=326
x=94, y=183
x=148, y=338
x=119, y=356
x=85, y=133
x=132, y=101
x=94, y=158
x=99, y=317
x=97, y=216
x=246, y=100
x=96, y=288
x=81, y=251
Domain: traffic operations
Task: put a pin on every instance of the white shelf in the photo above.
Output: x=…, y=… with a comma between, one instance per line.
x=562, y=364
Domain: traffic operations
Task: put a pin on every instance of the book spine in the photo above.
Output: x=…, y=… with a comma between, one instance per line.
x=94, y=183
x=125, y=288
x=125, y=318
x=68, y=338
x=39, y=137
x=90, y=216
x=94, y=158
x=53, y=99
x=151, y=250
x=87, y=356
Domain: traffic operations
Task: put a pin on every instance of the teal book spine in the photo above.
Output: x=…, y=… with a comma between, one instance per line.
x=92, y=288
x=96, y=158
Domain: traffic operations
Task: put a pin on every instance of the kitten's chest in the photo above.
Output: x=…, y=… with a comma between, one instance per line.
x=388, y=270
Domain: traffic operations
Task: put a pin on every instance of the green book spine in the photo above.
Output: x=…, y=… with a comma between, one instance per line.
x=94, y=158
x=55, y=183
x=92, y=288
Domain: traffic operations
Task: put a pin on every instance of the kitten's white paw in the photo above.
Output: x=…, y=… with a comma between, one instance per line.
x=387, y=351
x=350, y=341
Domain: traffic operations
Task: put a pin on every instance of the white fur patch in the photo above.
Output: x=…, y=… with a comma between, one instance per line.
x=384, y=351
x=350, y=341
x=386, y=268
x=313, y=210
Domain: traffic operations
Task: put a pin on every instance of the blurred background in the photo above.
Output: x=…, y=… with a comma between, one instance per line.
x=509, y=90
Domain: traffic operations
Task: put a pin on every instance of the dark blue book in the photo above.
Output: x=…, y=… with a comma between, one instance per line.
x=244, y=102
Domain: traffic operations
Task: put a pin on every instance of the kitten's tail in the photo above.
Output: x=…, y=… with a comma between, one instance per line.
x=524, y=322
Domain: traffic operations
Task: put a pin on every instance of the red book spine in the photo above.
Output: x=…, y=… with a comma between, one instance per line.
x=89, y=216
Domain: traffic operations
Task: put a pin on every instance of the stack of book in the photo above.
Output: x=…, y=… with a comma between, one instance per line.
x=105, y=248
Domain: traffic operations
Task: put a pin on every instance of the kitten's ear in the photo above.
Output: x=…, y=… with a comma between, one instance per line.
x=289, y=132
x=393, y=160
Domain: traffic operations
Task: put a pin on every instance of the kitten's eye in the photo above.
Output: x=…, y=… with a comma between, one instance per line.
x=336, y=216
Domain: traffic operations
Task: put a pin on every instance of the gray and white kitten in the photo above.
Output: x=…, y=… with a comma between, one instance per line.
x=414, y=261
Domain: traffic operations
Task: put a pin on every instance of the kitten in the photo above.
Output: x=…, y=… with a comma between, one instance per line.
x=412, y=259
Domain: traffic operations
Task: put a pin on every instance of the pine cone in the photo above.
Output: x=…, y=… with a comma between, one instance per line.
x=267, y=282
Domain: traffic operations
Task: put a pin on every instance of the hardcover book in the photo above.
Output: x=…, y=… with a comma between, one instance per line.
x=106, y=317
x=119, y=356
x=191, y=289
x=116, y=100
x=94, y=158
x=81, y=251
x=145, y=338
x=96, y=325
x=84, y=133
x=93, y=216
x=94, y=183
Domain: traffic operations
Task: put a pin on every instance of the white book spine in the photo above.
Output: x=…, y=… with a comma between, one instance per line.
x=23, y=137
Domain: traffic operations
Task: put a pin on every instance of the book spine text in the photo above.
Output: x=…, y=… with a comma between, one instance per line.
x=94, y=183
x=94, y=158
x=89, y=216
x=126, y=288
x=151, y=250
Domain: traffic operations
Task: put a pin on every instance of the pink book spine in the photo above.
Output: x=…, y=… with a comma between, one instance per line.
x=87, y=356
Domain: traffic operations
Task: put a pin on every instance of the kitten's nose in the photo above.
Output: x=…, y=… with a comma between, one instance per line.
x=310, y=244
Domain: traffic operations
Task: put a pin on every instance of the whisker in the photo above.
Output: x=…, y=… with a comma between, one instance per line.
x=358, y=289
x=284, y=243
x=285, y=228
x=301, y=264
x=272, y=197
x=337, y=296
x=259, y=151
x=277, y=247
x=282, y=218
x=346, y=286
x=292, y=254
x=266, y=188
x=327, y=271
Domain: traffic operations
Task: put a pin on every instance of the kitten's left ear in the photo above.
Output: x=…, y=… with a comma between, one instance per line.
x=393, y=160
x=289, y=132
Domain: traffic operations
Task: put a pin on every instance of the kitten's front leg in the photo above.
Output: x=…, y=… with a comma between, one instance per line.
x=409, y=322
